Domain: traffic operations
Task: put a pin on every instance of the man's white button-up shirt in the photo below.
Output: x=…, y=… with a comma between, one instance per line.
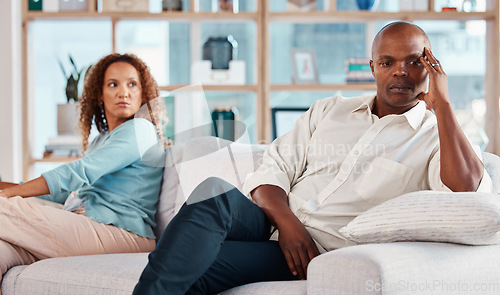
x=339, y=160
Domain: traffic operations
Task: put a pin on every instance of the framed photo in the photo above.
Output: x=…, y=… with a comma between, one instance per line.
x=283, y=119
x=304, y=66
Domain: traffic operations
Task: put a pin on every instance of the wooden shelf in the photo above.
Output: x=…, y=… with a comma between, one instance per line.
x=167, y=15
x=363, y=16
x=325, y=87
x=233, y=88
x=295, y=17
x=53, y=160
x=280, y=87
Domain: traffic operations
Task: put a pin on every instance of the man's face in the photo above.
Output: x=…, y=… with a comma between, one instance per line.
x=399, y=74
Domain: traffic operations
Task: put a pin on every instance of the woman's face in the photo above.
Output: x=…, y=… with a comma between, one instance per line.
x=121, y=94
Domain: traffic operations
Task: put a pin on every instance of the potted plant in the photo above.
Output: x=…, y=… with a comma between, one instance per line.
x=68, y=114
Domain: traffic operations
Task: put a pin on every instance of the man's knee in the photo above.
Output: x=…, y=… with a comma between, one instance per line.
x=211, y=187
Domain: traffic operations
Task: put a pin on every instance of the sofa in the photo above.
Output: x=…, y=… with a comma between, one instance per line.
x=384, y=268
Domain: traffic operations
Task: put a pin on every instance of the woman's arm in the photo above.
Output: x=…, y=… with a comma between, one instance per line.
x=32, y=188
x=124, y=146
x=4, y=185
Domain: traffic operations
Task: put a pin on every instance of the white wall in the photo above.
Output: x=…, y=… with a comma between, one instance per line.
x=11, y=93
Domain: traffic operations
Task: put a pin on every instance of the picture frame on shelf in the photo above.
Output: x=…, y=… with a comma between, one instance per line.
x=283, y=119
x=304, y=67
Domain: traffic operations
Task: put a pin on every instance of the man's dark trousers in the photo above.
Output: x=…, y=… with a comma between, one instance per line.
x=214, y=244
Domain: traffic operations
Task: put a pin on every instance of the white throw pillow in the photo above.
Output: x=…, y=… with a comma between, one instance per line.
x=466, y=218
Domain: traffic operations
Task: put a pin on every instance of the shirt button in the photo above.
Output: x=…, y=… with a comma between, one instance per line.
x=374, y=129
x=356, y=152
x=339, y=179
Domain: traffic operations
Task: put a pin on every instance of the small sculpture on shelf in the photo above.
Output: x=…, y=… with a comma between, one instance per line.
x=219, y=64
x=229, y=5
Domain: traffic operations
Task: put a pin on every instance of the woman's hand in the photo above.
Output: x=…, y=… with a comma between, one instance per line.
x=4, y=185
x=297, y=246
x=438, y=81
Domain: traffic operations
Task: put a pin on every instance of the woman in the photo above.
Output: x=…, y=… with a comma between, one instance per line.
x=111, y=193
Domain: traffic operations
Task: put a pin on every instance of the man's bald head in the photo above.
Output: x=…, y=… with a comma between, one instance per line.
x=399, y=27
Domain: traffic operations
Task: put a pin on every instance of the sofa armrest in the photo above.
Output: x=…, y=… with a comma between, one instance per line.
x=406, y=268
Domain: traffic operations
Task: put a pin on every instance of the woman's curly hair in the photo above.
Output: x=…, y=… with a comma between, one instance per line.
x=91, y=109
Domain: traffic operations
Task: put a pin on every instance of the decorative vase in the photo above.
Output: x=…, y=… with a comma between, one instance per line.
x=68, y=116
x=366, y=4
x=220, y=50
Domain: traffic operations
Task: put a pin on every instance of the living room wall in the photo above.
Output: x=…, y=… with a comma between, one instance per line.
x=11, y=92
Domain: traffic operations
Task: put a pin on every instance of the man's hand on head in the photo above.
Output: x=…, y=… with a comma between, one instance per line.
x=438, y=81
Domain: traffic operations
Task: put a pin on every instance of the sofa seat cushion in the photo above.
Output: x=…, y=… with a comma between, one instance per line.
x=275, y=288
x=92, y=274
x=110, y=274
x=406, y=268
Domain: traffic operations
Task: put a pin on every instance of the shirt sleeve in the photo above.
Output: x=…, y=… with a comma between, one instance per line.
x=435, y=182
x=124, y=146
x=285, y=159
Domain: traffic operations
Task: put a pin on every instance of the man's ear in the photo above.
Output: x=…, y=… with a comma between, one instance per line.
x=372, y=67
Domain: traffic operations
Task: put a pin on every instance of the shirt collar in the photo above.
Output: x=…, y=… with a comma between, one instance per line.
x=414, y=116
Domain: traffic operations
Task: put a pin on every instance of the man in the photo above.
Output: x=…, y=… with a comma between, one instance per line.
x=342, y=157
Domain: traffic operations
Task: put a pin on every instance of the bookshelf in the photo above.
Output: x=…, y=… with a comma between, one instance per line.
x=262, y=88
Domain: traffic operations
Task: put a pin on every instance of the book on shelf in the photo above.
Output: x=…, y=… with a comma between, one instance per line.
x=123, y=6
x=64, y=146
x=75, y=5
x=35, y=5
x=50, y=6
x=358, y=71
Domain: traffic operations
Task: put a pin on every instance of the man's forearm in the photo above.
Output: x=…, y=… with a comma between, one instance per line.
x=274, y=202
x=461, y=169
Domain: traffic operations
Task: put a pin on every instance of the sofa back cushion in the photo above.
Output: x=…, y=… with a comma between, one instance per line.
x=492, y=166
x=187, y=165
